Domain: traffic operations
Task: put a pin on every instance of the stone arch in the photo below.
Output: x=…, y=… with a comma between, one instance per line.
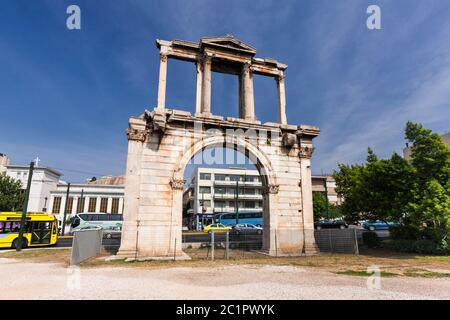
x=263, y=164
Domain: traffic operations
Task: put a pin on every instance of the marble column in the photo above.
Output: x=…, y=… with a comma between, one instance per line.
x=162, y=81
x=305, y=154
x=198, y=97
x=249, y=104
x=241, y=97
x=206, y=86
x=281, y=99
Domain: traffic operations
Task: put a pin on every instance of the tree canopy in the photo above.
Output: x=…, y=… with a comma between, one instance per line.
x=11, y=195
x=417, y=192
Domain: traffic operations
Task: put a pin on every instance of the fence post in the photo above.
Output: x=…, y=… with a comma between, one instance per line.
x=356, y=242
x=175, y=250
x=330, y=241
x=212, y=245
x=276, y=244
x=227, y=244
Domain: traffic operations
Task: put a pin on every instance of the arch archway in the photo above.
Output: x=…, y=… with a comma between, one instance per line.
x=158, y=154
x=261, y=162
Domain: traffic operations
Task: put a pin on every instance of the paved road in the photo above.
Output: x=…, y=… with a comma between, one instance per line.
x=234, y=282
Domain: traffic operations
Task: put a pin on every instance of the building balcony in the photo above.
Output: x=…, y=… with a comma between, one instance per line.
x=232, y=209
x=227, y=196
x=223, y=196
x=241, y=183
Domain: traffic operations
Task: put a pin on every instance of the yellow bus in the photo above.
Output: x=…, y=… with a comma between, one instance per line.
x=41, y=229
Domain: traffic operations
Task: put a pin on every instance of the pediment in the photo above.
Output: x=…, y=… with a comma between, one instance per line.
x=228, y=42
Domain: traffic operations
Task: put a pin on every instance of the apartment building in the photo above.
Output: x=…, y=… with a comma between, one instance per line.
x=213, y=190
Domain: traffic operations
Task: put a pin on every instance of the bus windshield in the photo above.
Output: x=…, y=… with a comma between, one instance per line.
x=103, y=220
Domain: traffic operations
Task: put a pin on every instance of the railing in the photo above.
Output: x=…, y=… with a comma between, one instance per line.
x=240, y=197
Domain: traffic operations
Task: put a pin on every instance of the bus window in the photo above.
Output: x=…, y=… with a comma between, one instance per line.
x=6, y=227
x=228, y=216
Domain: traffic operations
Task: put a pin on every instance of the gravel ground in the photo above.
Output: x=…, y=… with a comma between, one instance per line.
x=55, y=281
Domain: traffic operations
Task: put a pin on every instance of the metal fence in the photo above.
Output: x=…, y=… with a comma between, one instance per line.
x=337, y=241
x=91, y=242
x=86, y=244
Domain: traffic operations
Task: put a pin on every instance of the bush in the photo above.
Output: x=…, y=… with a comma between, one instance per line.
x=404, y=232
x=371, y=239
x=419, y=246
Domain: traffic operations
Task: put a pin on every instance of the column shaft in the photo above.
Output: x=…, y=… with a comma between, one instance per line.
x=241, y=98
x=249, y=103
x=162, y=81
x=198, y=96
x=281, y=100
x=206, y=86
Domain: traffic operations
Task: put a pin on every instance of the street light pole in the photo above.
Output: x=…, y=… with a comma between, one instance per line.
x=326, y=198
x=25, y=208
x=65, y=209
x=203, y=208
x=237, y=201
x=82, y=201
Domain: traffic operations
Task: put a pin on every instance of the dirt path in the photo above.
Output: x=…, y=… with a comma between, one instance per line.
x=31, y=280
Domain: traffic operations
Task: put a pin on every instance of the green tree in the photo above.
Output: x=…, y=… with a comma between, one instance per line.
x=11, y=195
x=378, y=189
x=417, y=192
x=322, y=207
x=430, y=155
x=430, y=203
x=319, y=205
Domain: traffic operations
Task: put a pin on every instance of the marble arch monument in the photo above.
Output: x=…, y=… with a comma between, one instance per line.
x=162, y=141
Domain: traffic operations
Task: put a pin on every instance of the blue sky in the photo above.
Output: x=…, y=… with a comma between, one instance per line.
x=66, y=95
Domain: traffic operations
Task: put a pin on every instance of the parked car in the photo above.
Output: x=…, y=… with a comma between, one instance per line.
x=246, y=236
x=378, y=225
x=246, y=228
x=112, y=233
x=330, y=224
x=216, y=227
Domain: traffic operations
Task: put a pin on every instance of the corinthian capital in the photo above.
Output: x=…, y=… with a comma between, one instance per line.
x=163, y=57
x=305, y=152
x=177, y=184
x=136, y=134
x=271, y=188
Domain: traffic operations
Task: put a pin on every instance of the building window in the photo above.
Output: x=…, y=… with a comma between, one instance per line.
x=231, y=191
x=80, y=205
x=252, y=178
x=220, y=177
x=205, y=176
x=69, y=205
x=249, y=204
x=115, y=205
x=249, y=191
x=92, y=204
x=103, y=205
x=205, y=203
x=56, y=204
x=235, y=178
x=220, y=204
x=205, y=190
x=219, y=190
